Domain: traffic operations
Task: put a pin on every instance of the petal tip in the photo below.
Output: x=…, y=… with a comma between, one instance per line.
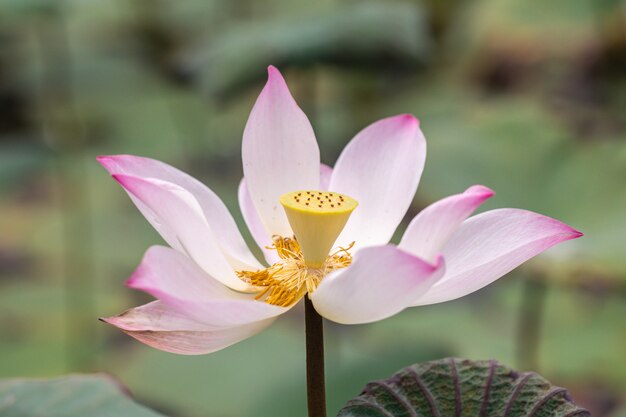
x=130, y=182
x=405, y=119
x=105, y=161
x=109, y=320
x=136, y=279
x=409, y=119
x=116, y=321
x=565, y=231
x=132, y=281
x=575, y=234
x=274, y=75
x=121, y=179
x=481, y=190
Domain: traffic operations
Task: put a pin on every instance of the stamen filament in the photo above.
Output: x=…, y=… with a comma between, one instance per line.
x=287, y=281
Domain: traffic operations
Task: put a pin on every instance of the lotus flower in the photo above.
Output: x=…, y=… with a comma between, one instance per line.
x=324, y=233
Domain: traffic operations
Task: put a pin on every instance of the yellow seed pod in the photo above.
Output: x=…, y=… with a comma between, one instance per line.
x=317, y=218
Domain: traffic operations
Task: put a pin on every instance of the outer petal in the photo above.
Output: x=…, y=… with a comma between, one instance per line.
x=177, y=281
x=253, y=221
x=380, y=168
x=381, y=282
x=429, y=231
x=178, y=217
x=491, y=244
x=279, y=152
x=161, y=327
x=214, y=210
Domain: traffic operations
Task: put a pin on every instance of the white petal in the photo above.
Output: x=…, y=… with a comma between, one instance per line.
x=381, y=282
x=491, y=244
x=215, y=212
x=429, y=231
x=380, y=168
x=279, y=152
x=178, y=217
x=161, y=327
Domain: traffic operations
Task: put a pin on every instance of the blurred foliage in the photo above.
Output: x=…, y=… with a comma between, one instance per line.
x=355, y=36
x=71, y=396
x=526, y=97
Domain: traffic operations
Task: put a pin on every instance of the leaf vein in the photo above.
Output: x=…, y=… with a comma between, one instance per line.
x=374, y=406
x=427, y=393
x=457, y=388
x=515, y=393
x=394, y=394
x=545, y=398
x=485, y=405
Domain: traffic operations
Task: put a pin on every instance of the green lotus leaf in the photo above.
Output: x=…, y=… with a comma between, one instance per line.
x=459, y=387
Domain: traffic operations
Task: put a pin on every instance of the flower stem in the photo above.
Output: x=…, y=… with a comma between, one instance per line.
x=530, y=322
x=315, y=387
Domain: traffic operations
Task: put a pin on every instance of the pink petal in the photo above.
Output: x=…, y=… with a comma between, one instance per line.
x=161, y=327
x=380, y=168
x=253, y=221
x=214, y=210
x=178, y=217
x=429, y=231
x=279, y=152
x=177, y=281
x=381, y=282
x=491, y=244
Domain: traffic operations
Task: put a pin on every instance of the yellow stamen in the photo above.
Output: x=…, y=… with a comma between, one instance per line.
x=317, y=218
x=287, y=281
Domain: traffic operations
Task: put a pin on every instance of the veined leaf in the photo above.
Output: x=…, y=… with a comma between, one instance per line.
x=457, y=387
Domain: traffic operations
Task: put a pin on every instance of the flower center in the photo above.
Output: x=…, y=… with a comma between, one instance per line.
x=317, y=218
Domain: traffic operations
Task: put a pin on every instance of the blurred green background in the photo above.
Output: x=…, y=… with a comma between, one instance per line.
x=527, y=97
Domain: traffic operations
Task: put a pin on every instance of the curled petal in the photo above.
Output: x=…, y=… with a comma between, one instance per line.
x=215, y=212
x=179, y=283
x=491, y=244
x=429, y=231
x=380, y=168
x=178, y=217
x=163, y=328
x=381, y=282
x=279, y=152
